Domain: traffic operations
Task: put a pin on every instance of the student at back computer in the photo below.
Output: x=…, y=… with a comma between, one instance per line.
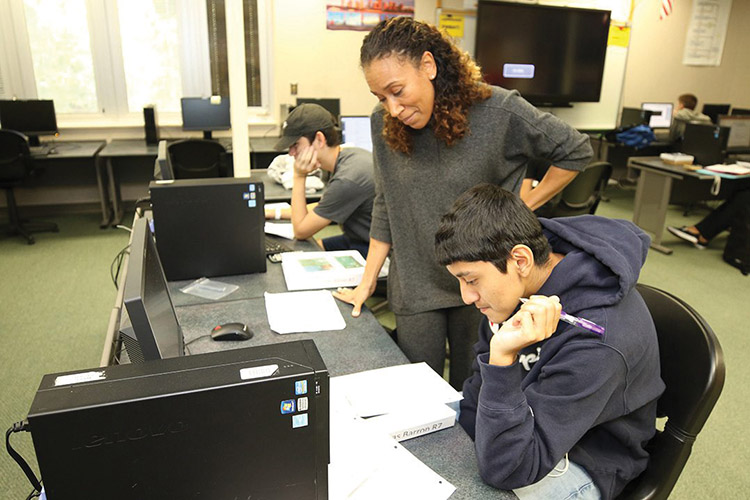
x=685, y=113
x=313, y=139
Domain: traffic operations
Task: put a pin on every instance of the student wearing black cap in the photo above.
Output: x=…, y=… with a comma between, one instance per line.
x=313, y=139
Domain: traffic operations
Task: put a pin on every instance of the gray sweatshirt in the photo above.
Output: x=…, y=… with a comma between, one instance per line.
x=413, y=191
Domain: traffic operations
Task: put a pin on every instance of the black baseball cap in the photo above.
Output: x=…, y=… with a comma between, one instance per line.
x=304, y=119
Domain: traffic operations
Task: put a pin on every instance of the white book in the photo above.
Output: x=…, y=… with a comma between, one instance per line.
x=318, y=270
x=415, y=421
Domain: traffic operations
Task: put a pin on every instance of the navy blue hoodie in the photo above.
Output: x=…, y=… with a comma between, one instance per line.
x=591, y=396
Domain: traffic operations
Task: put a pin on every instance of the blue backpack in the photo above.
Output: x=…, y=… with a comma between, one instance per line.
x=639, y=136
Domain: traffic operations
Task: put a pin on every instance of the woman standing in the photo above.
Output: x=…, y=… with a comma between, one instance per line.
x=439, y=130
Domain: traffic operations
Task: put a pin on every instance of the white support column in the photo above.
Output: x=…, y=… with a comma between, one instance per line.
x=235, y=22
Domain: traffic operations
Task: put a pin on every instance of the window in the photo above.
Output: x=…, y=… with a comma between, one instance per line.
x=112, y=58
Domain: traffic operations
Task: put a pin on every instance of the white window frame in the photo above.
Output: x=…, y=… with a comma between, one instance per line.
x=17, y=78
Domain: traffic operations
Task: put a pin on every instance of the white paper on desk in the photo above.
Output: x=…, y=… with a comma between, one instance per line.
x=370, y=465
x=387, y=390
x=277, y=229
x=295, y=312
x=734, y=169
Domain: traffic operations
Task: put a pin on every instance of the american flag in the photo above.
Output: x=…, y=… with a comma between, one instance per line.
x=665, y=9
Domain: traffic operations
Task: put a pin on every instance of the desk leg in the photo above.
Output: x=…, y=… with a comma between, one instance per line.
x=650, y=211
x=103, y=198
x=114, y=191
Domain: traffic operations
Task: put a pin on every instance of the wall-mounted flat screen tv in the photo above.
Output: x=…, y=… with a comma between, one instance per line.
x=552, y=55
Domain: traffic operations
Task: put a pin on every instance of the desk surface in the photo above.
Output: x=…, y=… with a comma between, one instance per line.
x=138, y=147
x=655, y=163
x=70, y=150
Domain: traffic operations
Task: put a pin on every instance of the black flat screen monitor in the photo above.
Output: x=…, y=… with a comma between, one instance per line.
x=356, y=131
x=552, y=55
x=631, y=117
x=156, y=334
x=740, y=111
x=32, y=117
x=714, y=110
x=707, y=143
x=332, y=105
x=662, y=114
x=206, y=114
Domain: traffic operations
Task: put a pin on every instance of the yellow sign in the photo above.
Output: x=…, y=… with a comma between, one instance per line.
x=619, y=35
x=453, y=24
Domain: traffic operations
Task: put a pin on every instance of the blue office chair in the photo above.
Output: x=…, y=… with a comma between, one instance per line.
x=692, y=367
x=15, y=168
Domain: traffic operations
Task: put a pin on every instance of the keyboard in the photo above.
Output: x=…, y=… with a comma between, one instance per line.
x=273, y=247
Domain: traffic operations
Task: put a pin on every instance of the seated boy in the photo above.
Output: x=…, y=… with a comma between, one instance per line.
x=313, y=139
x=554, y=409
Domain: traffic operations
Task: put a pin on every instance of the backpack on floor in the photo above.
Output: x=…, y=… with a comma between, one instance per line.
x=737, y=251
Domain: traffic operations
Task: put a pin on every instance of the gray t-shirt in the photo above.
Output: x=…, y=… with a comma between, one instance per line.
x=347, y=200
x=413, y=191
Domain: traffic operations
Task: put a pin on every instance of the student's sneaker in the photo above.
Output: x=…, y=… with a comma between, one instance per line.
x=684, y=234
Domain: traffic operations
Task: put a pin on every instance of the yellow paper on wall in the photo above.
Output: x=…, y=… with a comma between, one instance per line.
x=619, y=35
x=453, y=24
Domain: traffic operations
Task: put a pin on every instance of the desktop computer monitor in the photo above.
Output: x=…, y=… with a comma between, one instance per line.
x=707, y=143
x=714, y=110
x=662, y=114
x=205, y=114
x=356, y=131
x=631, y=117
x=154, y=332
x=739, y=130
x=33, y=117
x=740, y=111
x=332, y=105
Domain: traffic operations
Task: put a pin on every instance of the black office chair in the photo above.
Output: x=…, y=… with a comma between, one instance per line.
x=582, y=195
x=15, y=168
x=692, y=367
x=197, y=159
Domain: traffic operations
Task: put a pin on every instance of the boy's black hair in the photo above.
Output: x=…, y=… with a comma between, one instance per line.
x=484, y=224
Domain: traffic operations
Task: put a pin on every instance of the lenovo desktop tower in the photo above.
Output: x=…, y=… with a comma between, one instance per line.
x=243, y=423
x=149, y=121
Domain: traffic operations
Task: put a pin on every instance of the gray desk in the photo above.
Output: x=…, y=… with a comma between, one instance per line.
x=72, y=153
x=654, y=191
x=362, y=345
x=141, y=156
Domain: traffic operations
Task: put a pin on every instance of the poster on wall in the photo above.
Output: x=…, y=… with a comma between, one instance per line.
x=363, y=15
x=704, y=44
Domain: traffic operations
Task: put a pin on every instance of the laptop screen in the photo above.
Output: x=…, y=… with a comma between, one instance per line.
x=662, y=114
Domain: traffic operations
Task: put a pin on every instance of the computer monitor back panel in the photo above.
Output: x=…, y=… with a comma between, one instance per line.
x=739, y=130
x=333, y=105
x=356, y=131
x=209, y=227
x=148, y=303
x=714, y=110
x=662, y=114
x=244, y=423
x=707, y=143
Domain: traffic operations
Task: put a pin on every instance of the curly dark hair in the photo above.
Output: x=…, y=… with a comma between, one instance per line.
x=458, y=83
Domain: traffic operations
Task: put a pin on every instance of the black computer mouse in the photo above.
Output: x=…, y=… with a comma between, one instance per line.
x=231, y=331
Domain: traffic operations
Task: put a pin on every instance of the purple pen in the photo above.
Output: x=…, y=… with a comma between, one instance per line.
x=576, y=321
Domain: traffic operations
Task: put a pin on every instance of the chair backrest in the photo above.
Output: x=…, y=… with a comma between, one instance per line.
x=14, y=156
x=583, y=194
x=162, y=166
x=197, y=159
x=692, y=367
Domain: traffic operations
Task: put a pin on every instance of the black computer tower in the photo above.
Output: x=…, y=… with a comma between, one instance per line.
x=209, y=227
x=244, y=423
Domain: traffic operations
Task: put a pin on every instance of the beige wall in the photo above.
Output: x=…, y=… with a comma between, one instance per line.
x=321, y=62
x=655, y=71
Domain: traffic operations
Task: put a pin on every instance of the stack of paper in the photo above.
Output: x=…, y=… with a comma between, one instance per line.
x=312, y=312
x=405, y=401
x=734, y=169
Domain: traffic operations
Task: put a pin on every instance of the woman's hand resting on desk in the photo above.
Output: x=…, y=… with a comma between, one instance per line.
x=356, y=296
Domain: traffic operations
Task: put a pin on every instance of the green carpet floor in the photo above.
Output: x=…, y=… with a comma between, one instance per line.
x=56, y=297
